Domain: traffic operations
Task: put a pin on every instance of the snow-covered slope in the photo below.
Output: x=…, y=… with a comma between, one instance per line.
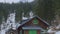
x=10, y=23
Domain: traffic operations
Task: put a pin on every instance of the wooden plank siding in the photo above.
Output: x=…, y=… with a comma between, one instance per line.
x=27, y=31
x=30, y=23
x=22, y=31
x=38, y=31
x=40, y=23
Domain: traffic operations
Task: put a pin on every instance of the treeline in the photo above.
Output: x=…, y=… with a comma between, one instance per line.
x=19, y=8
x=46, y=9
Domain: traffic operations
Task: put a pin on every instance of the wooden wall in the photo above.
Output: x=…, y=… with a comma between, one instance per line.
x=27, y=31
x=41, y=24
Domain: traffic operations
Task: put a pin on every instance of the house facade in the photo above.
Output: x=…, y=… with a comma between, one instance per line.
x=34, y=25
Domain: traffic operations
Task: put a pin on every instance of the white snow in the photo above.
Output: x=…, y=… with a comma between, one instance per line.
x=2, y=31
x=23, y=17
x=50, y=31
x=58, y=32
x=54, y=29
x=10, y=23
x=31, y=14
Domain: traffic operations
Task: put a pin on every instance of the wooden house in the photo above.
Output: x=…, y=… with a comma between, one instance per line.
x=33, y=25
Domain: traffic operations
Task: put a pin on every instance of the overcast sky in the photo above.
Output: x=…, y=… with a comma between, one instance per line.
x=15, y=1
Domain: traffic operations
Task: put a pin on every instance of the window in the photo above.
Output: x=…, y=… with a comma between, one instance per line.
x=35, y=21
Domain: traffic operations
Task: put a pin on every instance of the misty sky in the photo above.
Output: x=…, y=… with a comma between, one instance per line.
x=15, y=1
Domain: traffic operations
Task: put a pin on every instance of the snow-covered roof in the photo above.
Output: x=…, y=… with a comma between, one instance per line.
x=31, y=27
x=25, y=21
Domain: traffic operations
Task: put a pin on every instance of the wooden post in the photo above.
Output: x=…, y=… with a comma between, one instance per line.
x=38, y=32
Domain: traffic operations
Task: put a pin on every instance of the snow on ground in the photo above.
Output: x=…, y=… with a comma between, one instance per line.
x=2, y=32
x=57, y=32
x=9, y=24
x=50, y=31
